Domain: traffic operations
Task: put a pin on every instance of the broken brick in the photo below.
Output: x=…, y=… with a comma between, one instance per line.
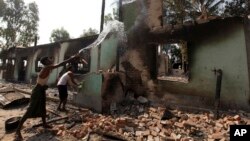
x=138, y=133
x=157, y=138
x=156, y=129
x=61, y=127
x=146, y=133
x=166, y=122
x=189, y=123
x=184, y=117
x=180, y=125
x=142, y=124
x=162, y=134
x=217, y=136
x=218, y=125
x=152, y=109
x=156, y=116
x=237, y=117
x=154, y=133
x=150, y=138
x=168, y=138
x=140, y=138
x=59, y=133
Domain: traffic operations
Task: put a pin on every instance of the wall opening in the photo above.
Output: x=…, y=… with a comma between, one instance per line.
x=82, y=66
x=173, y=62
x=38, y=65
x=22, y=69
x=1, y=62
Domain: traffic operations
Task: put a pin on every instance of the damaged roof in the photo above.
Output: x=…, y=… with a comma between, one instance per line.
x=182, y=31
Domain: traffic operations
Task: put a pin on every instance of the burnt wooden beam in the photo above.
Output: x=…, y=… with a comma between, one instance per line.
x=51, y=121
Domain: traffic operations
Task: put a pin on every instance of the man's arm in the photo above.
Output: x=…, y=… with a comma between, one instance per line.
x=71, y=76
x=84, y=61
x=65, y=61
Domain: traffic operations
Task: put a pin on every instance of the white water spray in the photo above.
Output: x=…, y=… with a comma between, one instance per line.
x=113, y=27
x=124, y=2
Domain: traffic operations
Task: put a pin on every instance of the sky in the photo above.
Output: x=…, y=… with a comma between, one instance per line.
x=73, y=15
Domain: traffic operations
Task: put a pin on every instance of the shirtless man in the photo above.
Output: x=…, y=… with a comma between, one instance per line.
x=37, y=107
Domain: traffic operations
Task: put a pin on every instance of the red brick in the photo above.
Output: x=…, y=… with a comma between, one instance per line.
x=120, y=131
x=146, y=133
x=154, y=133
x=150, y=123
x=166, y=122
x=189, y=123
x=237, y=117
x=156, y=116
x=180, y=125
x=140, y=138
x=59, y=133
x=138, y=133
x=157, y=138
x=61, y=127
x=150, y=138
x=141, y=124
x=218, y=125
x=152, y=109
x=162, y=134
x=217, y=136
x=157, y=129
x=168, y=138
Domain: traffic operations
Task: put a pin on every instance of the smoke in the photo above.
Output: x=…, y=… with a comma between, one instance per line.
x=137, y=53
x=137, y=35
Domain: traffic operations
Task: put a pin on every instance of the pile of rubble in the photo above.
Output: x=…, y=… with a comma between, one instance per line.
x=140, y=120
x=149, y=125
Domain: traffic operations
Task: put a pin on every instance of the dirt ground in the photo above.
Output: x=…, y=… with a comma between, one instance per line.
x=29, y=133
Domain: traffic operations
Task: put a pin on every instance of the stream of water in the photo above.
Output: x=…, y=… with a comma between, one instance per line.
x=113, y=27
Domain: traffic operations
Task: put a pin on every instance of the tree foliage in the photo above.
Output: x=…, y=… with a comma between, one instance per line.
x=178, y=11
x=206, y=8
x=59, y=35
x=18, y=23
x=89, y=32
x=236, y=8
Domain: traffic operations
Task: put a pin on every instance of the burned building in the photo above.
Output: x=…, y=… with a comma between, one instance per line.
x=176, y=64
x=183, y=60
x=22, y=64
x=179, y=64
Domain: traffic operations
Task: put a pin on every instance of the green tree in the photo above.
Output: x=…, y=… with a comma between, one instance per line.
x=18, y=23
x=2, y=7
x=89, y=32
x=59, y=35
x=206, y=8
x=178, y=11
x=236, y=8
x=30, y=29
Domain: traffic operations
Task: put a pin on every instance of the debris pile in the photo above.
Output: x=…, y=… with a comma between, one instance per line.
x=141, y=120
x=148, y=124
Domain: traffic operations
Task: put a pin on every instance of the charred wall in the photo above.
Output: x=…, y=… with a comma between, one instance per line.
x=26, y=59
x=224, y=48
x=215, y=44
x=247, y=38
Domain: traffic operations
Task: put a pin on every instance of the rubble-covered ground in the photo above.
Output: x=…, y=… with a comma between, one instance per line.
x=131, y=120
